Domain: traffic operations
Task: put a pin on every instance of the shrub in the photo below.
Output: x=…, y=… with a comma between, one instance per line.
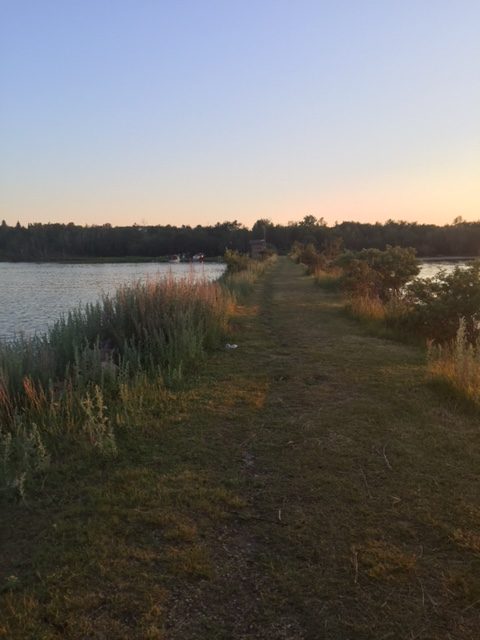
x=312, y=259
x=236, y=261
x=316, y=261
x=377, y=274
x=438, y=303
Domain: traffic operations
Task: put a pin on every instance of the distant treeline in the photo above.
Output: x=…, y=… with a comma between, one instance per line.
x=69, y=241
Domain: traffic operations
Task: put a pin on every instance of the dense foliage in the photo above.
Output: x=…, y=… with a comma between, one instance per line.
x=236, y=261
x=437, y=305
x=63, y=241
x=378, y=274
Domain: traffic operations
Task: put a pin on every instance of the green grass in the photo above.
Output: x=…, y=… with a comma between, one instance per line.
x=310, y=484
x=61, y=389
x=242, y=273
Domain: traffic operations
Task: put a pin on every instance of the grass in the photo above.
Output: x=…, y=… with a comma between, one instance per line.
x=366, y=308
x=308, y=485
x=61, y=389
x=458, y=365
x=242, y=273
x=454, y=365
x=328, y=279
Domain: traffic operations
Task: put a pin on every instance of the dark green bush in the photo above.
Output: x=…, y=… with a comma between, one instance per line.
x=377, y=274
x=437, y=304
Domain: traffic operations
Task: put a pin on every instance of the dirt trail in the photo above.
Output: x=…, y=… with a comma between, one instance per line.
x=360, y=523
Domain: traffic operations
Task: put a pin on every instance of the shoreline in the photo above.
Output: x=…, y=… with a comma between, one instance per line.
x=447, y=258
x=108, y=260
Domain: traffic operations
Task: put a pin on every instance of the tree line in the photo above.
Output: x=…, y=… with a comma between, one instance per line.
x=39, y=241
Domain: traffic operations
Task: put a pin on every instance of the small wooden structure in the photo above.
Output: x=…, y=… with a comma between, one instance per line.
x=257, y=247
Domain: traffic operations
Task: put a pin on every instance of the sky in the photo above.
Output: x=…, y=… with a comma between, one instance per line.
x=193, y=112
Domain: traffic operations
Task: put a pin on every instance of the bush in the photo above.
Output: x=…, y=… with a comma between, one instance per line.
x=309, y=256
x=377, y=274
x=236, y=261
x=438, y=304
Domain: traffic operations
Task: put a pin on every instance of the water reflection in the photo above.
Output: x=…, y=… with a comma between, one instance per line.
x=32, y=296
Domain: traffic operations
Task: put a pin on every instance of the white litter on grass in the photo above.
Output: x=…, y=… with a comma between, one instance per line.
x=231, y=346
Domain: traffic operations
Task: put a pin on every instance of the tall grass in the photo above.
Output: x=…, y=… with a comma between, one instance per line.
x=242, y=273
x=61, y=386
x=328, y=278
x=389, y=315
x=366, y=308
x=458, y=364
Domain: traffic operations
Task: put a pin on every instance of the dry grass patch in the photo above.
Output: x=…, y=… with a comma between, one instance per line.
x=385, y=561
x=458, y=364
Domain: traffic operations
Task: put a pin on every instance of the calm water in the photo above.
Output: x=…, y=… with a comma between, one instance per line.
x=32, y=296
x=429, y=269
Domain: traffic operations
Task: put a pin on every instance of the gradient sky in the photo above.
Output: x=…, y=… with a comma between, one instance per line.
x=191, y=112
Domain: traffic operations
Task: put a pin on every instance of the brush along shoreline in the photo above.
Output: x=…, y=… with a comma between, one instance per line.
x=72, y=386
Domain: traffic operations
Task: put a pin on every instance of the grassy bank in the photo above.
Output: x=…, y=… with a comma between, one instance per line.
x=79, y=384
x=308, y=485
x=381, y=291
x=62, y=387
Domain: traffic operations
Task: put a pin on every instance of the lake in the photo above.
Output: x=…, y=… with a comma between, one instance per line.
x=33, y=295
x=429, y=268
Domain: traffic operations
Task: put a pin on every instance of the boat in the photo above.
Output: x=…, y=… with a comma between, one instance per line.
x=175, y=259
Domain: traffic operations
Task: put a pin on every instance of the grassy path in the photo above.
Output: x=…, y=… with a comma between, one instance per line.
x=308, y=485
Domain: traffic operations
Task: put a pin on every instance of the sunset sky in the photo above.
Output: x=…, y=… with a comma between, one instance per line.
x=193, y=112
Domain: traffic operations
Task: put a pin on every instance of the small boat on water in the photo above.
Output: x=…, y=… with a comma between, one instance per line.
x=198, y=257
x=175, y=259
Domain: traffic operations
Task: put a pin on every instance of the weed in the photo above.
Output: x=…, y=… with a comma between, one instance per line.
x=22, y=454
x=458, y=364
x=97, y=425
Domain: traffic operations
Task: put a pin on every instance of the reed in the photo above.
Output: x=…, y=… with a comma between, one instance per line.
x=457, y=363
x=66, y=385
